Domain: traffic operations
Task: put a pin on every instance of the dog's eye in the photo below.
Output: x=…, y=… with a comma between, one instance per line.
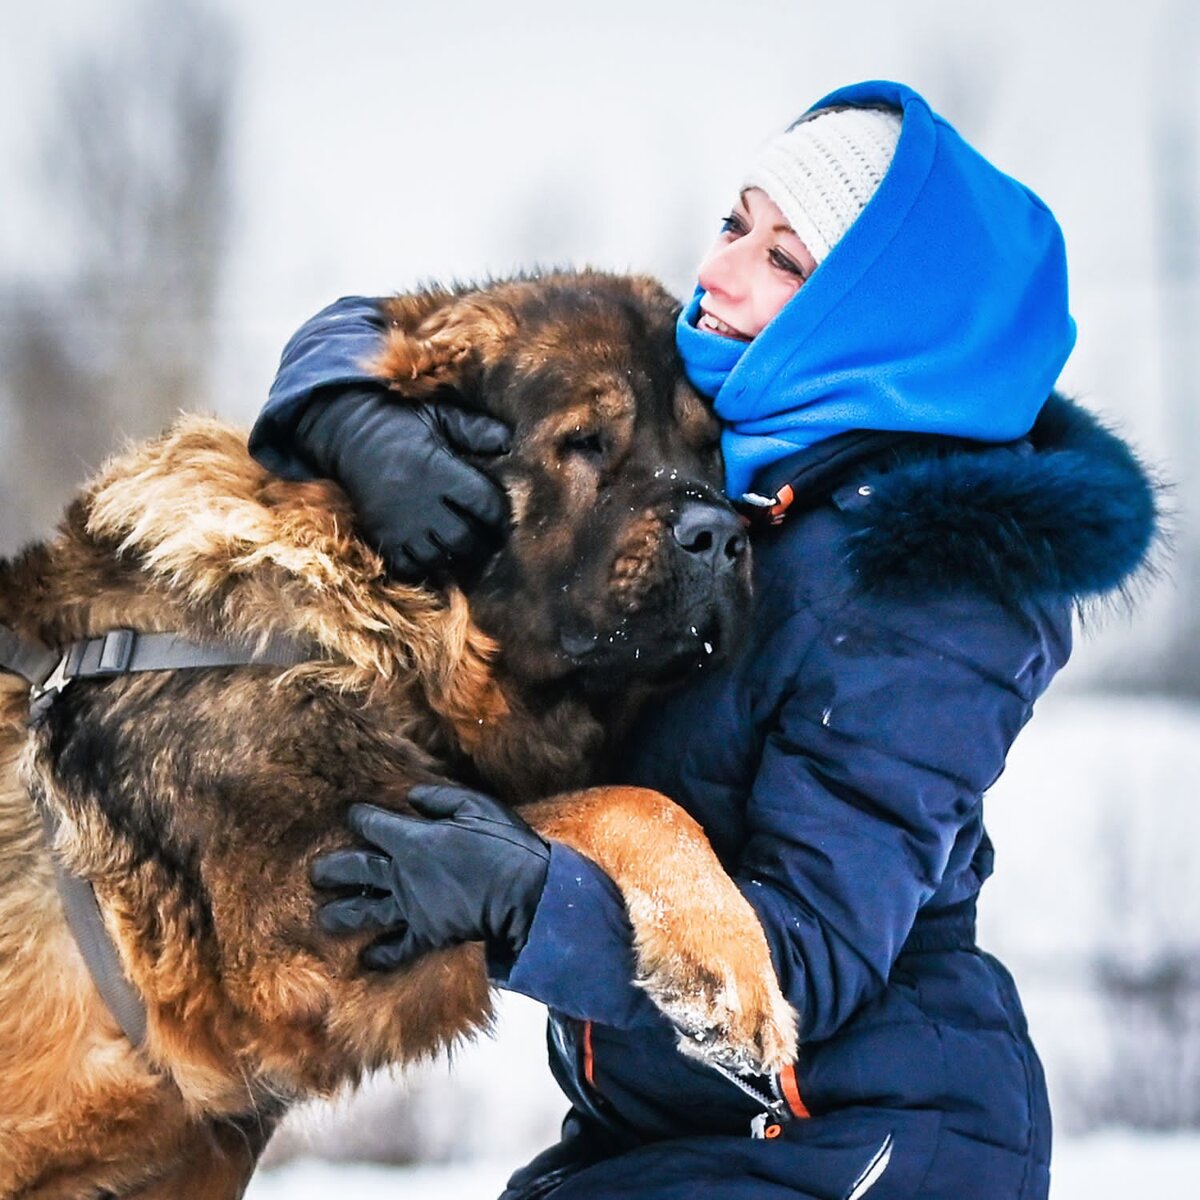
x=582, y=442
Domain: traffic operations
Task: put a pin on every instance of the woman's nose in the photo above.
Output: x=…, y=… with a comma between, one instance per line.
x=719, y=271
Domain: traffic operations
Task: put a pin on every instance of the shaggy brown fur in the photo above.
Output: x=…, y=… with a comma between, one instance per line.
x=195, y=800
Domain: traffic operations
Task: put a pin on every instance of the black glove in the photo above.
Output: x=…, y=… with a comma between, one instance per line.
x=473, y=873
x=420, y=505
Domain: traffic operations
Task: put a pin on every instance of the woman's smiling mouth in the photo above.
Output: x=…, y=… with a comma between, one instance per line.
x=716, y=325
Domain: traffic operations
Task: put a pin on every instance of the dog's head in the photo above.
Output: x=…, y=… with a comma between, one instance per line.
x=624, y=559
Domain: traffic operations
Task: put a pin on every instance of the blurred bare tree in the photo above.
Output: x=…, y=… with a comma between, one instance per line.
x=1152, y=1017
x=136, y=150
x=1146, y=973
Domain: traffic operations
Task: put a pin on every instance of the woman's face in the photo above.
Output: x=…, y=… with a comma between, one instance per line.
x=757, y=265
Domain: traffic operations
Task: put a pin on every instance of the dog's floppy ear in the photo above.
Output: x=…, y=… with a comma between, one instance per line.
x=438, y=340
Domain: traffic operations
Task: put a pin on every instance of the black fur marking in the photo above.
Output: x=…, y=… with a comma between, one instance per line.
x=100, y=767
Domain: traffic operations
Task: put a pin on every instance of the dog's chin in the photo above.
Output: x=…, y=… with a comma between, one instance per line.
x=665, y=643
x=612, y=662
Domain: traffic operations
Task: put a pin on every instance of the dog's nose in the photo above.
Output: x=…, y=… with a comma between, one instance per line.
x=714, y=535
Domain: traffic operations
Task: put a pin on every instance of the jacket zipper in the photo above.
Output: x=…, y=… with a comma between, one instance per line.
x=787, y=1102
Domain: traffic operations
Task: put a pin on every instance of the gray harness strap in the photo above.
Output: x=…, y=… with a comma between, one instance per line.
x=124, y=652
x=118, y=652
x=99, y=952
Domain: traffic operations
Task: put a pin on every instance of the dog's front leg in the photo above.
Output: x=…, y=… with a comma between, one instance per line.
x=702, y=956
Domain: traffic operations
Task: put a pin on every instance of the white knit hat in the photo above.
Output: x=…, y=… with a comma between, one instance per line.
x=825, y=168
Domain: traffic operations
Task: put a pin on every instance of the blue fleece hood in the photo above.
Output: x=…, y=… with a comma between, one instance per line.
x=942, y=310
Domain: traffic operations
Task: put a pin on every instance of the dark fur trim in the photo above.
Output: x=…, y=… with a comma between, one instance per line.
x=1069, y=512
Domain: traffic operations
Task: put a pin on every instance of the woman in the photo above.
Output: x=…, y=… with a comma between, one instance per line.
x=879, y=325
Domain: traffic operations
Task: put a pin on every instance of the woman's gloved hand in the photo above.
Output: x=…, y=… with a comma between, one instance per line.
x=473, y=871
x=420, y=505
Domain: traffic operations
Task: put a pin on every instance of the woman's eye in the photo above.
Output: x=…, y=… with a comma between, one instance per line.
x=733, y=224
x=781, y=260
x=589, y=445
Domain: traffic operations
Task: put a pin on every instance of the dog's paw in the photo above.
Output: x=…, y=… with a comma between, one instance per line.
x=747, y=1026
x=715, y=982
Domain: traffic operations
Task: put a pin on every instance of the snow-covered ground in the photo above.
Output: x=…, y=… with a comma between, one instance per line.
x=311, y=1180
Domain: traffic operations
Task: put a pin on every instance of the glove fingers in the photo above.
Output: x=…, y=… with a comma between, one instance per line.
x=474, y=432
x=424, y=553
x=473, y=494
x=350, y=868
x=453, y=535
x=461, y=519
x=446, y=537
x=440, y=799
x=389, y=953
x=401, y=565
x=449, y=538
x=381, y=827
x=360, y=914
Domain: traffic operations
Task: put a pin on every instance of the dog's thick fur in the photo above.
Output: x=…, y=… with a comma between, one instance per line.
x=195, y=800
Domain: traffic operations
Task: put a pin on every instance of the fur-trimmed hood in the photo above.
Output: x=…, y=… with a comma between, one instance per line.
x=1067, y=512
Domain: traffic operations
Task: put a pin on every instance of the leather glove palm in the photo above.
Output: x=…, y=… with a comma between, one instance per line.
x=419, y=504
x=474, y=872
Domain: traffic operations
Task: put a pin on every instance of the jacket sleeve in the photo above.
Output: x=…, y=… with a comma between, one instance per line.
x=327, y=351
x=873, y=762
x=578, y=957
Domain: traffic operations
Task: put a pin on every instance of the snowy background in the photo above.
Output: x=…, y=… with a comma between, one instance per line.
x=183, y=183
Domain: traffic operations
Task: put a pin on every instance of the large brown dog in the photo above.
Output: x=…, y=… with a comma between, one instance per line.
x=195, y=800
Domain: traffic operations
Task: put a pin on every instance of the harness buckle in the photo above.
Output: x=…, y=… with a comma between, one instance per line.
x=59, y=677
x=42, y=695
x=116, y=652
